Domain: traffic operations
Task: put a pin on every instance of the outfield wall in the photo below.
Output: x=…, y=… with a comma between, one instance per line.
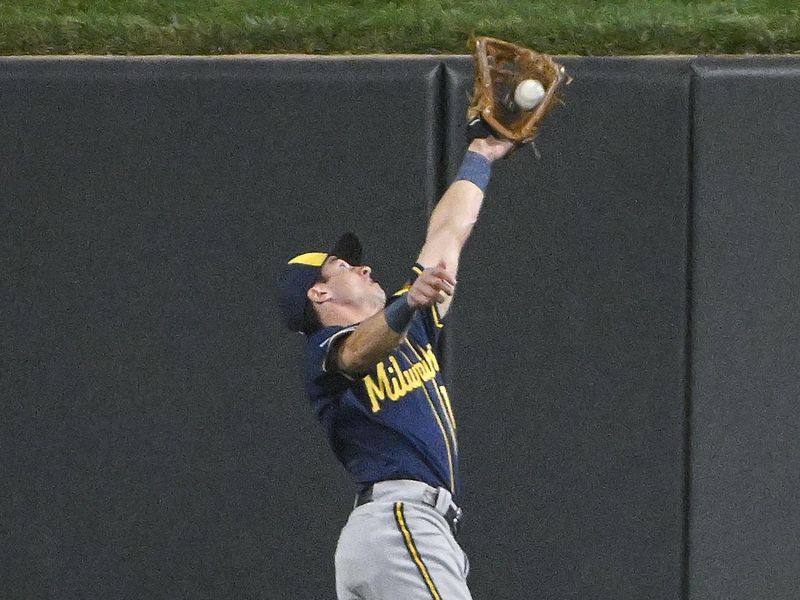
x=624, y=350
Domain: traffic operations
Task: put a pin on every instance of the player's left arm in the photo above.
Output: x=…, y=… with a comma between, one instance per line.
x=455, y=215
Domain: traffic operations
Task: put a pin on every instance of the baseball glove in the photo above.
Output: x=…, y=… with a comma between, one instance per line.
x=499, y=68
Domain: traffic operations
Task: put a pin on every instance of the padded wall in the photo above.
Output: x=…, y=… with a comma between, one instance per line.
x=745, y=522
x=156, y=436
x=568, y=344
x=156, y=441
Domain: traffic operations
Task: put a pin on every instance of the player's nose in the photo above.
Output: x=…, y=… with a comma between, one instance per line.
x=365, y=270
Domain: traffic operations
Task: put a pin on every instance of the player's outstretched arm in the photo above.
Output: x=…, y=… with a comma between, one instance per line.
x=381, y=333
x=455, y=215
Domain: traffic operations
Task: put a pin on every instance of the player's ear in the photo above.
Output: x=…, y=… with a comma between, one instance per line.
x=318, y=293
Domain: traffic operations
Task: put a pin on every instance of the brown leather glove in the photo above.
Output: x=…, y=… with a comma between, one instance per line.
x=499, y=67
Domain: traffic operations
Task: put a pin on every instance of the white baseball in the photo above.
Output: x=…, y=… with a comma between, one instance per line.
x=528, y=93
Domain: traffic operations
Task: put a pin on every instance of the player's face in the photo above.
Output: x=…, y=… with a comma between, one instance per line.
x=349, y=284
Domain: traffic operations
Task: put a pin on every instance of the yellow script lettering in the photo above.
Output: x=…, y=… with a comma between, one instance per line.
x=393, y=382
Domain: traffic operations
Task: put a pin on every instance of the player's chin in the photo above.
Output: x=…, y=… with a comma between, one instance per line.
x=379, y=294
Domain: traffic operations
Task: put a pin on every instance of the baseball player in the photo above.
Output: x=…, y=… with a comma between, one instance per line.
x=373, y=376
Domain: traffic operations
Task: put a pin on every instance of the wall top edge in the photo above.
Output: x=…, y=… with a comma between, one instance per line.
x=377, y=57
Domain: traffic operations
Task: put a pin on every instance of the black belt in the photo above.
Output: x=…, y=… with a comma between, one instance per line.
x=453, y=515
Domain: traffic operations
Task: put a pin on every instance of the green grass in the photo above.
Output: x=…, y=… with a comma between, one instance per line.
x=413, y=26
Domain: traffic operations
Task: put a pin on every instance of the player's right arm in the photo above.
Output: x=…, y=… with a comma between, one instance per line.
x=377, y=336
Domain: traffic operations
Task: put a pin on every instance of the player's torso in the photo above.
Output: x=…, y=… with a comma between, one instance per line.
x=397, y=421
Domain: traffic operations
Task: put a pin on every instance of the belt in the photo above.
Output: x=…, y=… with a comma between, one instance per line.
x=409, y=490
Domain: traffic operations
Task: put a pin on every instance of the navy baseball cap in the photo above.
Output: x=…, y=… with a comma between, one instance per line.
x=303, y=271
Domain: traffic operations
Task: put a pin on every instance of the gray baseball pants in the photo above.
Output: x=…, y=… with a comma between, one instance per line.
x=398, y=547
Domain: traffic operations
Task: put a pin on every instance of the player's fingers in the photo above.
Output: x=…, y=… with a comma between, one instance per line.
x=430, y=290
x=441, y=272
x=423, y=291
x=434, y=293
x=440, y=279
x=426, y=295
x=441, y=290
x=445, y=286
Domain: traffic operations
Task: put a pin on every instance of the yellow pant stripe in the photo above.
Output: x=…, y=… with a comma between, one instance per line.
x=412, y=550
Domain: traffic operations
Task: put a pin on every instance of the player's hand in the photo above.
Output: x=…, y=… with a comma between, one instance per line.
x=491, y=147
x=432, y=286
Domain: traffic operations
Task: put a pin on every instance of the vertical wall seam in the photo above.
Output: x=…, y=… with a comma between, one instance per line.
x=441, y=134
x=687, y=396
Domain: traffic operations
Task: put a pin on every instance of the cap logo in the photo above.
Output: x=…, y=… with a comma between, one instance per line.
x=310, y=259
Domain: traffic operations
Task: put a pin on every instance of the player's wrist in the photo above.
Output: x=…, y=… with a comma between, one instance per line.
x=480, y=146
x=399, y=314
x=475, y=168
x=491, y=147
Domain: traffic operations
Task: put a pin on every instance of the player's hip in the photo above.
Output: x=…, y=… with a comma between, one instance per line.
x=434, y=500
x=401, y=547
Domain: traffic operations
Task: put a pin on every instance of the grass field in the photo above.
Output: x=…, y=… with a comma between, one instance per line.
x=377, y=26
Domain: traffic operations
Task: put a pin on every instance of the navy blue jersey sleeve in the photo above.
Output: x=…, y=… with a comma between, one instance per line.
x=319, y=368
x=431, y=320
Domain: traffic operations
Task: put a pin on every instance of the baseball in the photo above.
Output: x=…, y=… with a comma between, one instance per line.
x=528, y=93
